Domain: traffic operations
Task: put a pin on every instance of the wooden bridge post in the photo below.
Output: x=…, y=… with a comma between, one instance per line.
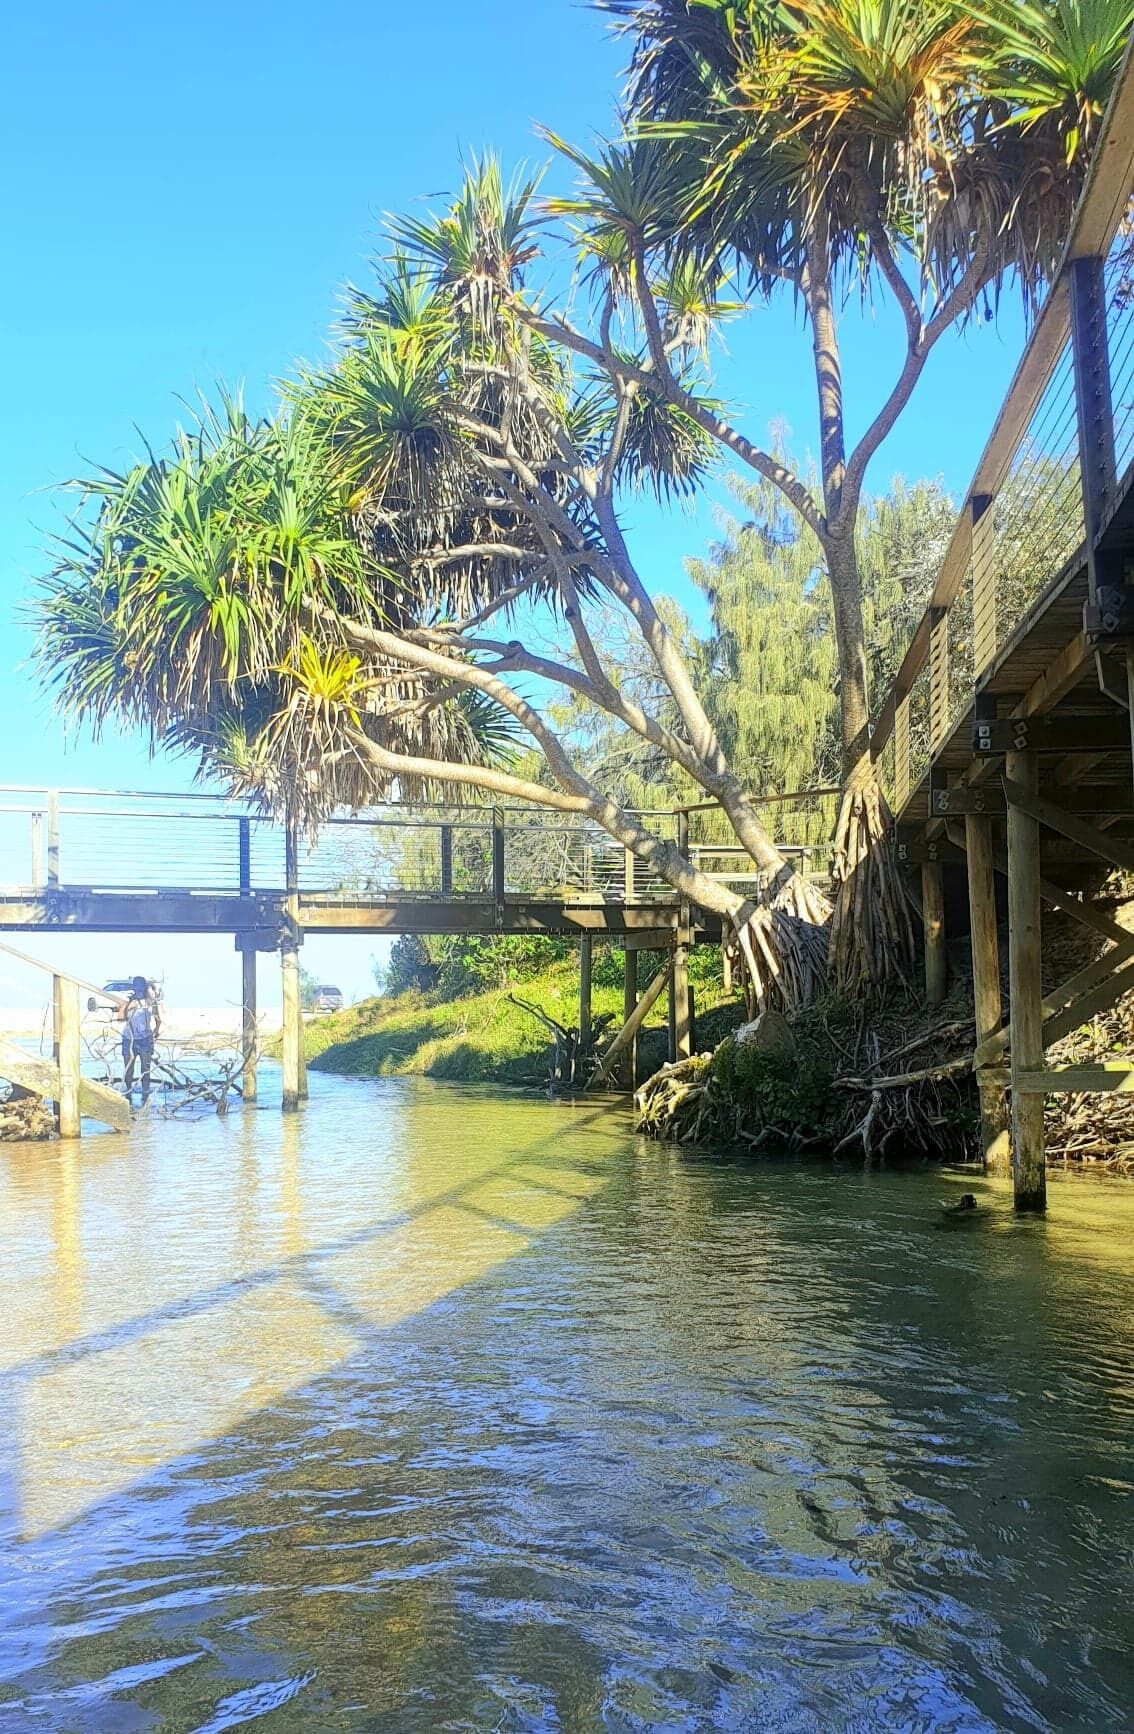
x=629, y=1006
x=679, y=1020
x=67, y=1047
x=981, y=865
x=53, y=839
x=248, y=1030
x=292, y=1045
x=933, y=926
x=294, y=1071
x=585, y=991
x=670, y=1013
x=1024, y=975
x=37, y=850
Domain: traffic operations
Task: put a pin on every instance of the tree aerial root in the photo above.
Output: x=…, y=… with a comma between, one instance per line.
x=782, y=947
x=872, y=939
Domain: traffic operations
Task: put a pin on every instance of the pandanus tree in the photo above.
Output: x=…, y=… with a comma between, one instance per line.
x=340, y=602
x=927, y=152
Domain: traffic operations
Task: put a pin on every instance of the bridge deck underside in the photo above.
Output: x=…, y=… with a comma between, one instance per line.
x=262, y=917
x=1046, y=668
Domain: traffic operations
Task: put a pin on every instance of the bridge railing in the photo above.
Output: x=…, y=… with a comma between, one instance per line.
x=146, y=842
x=1024, y=518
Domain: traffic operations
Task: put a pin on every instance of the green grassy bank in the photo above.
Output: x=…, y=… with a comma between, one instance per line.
x=484, y=1037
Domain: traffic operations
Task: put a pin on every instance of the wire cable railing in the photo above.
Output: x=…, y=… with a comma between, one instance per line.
x=1023, y=522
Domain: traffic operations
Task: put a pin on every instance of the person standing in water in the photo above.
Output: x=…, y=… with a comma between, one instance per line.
x=141, y=1020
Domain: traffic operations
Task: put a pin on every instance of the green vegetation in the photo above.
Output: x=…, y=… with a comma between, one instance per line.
x=479, y=1035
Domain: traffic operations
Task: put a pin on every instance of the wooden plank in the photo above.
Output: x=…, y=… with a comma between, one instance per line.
x=1082, y=982
x=1049, y=813
x=1084, y=913
x=1060, y=677
x=1088, y=1005
x=1029, y=1183
x=1074, y=1080
x=96, y=1101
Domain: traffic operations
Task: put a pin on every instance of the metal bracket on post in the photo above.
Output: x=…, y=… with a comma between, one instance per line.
x=984, y=715
x=1109, y=613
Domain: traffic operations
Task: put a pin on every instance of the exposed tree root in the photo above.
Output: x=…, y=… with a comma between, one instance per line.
x=871, y=938
x=830, y=1095
x=779, y=948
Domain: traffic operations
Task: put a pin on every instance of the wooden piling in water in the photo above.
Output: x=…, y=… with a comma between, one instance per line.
x=681, y=1019
x=67, y=1048
x=249, y=1035
x=1029, y=1181
x=585, y=991
x=981, y=866
x=933, y=925
x=292, y=1034
x=629, y=1005
x=294, y=1070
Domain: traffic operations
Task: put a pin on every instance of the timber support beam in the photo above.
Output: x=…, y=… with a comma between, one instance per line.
x=933, y=929
x=1029, y=1181
x=985, y=942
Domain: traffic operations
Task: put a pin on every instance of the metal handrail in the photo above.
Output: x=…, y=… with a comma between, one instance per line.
x=1097, y=219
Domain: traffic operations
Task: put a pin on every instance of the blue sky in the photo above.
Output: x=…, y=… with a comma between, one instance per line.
x=187, y=187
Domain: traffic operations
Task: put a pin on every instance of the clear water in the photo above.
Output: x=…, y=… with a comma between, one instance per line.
x=430, y=1410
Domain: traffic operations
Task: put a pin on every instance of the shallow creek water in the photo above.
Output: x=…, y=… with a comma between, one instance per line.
x=428, y=1408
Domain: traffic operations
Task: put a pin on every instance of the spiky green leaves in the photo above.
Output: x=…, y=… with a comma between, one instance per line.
x=956, y=128
x=196, y=573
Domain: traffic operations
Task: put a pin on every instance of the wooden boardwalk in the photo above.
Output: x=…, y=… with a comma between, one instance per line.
x=113, y=861
x=1005, y=742
x=1004, y=747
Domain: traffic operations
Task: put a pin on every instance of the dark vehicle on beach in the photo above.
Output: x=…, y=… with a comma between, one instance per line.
x=327, y=999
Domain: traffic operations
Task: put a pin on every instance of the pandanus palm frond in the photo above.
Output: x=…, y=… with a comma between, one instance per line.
x=190, y=575
x=957, y=127
x=665, y=451
x=477, y=250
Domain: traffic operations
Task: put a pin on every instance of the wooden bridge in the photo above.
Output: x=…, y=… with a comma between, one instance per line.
x=1005, y=743
x=1004, y=747
x=114, y=861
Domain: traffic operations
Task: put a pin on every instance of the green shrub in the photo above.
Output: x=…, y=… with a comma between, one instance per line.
x=791, y=1093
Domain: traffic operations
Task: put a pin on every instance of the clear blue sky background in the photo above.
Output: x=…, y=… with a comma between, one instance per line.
x=186, y=189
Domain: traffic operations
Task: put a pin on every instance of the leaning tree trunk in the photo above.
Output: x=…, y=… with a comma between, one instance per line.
x=871, y=939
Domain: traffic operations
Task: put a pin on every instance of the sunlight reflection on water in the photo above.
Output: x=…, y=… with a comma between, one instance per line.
x=444, y=1410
